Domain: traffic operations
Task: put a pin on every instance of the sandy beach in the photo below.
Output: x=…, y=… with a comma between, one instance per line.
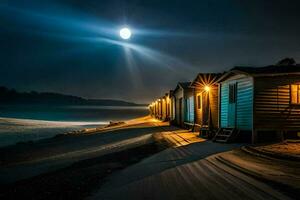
x=143, y=159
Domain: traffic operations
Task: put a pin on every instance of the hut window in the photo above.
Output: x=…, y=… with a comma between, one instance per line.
x=199, y=103
x=295, y=94
x=232, y=93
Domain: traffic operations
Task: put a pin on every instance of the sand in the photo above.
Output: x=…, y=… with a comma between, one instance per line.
x=142, y=159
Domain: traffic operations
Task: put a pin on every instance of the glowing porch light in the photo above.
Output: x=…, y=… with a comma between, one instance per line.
x=207, y=88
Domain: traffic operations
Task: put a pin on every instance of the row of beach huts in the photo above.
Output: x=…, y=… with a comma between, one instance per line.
x=257, y=104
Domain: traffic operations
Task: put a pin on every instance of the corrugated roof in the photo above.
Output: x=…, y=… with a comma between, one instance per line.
x=271, y=69
x=184, y=85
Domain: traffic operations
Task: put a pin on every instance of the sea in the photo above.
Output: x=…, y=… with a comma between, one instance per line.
x=23, y=123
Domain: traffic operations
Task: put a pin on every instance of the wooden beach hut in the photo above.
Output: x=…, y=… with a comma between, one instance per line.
x=184, y=102
x=171, y=106
x=156, y=109
x=206, y=109
x=152, y=109
x=261, y=103
x=166, y=100
x=159, y=108
x=164, y=108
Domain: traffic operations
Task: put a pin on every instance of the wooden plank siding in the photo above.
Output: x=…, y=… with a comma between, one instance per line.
x=207, y=108
x=179, y=114
x=172, y=108
x=244, y=103
x=244, y=109
x=214, y=105
x=159, y=109
x=198, y=112
x=187, y=94
x=224, y=101
x=273, y=110
x=164, y=108
x=180, y=95
x=211, y=102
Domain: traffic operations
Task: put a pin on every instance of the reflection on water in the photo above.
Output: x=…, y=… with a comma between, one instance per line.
x=25, y=123
x=73, y=113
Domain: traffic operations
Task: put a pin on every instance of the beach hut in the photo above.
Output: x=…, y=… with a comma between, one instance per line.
x=159, y=108
x=184, y=105
x=171, y=105
x=164, y=108
x=261, y=103
x=156, y=109
x=151, y=109
x=206, y=109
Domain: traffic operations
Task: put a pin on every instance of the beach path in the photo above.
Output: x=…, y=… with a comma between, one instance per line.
x=195, y=170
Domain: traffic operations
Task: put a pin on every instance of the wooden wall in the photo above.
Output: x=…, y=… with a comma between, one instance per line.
x=179, y=115
x=224, y=100
x=187, y=94
x=244, y=103
x=272, y=108
x=172, y=108
x=198, y=112
x=244, y=109
x=164, y=109
x=159, y=110
x=214, y=105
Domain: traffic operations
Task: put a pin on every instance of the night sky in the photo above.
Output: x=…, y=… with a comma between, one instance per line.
x=73, y=47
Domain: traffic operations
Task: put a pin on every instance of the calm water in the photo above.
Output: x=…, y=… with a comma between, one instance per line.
x=25, y=123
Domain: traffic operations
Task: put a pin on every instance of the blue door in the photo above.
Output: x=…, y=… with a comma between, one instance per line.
x=190, y=109
x=232, y=105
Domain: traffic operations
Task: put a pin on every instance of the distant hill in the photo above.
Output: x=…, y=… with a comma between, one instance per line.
x=11, y=96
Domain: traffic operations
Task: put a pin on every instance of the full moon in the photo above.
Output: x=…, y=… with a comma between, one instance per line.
x=125, y=33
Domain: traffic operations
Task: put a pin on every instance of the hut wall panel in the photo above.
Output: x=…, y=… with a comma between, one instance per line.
x=224, y=87
x=198, y=112
x=187, y=93
x=164, y=109
x=273, y=110
x=172, y=108
x=178, y=94
x=244, y=103
x=159, y=109
x=214, y=105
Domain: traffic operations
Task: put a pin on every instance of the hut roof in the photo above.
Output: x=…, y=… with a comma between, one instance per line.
x=271, y=69
x=183, y=85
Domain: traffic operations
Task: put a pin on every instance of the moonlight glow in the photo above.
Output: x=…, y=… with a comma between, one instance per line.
x=125, y=33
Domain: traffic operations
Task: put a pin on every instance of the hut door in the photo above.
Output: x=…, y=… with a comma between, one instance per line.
x=205, y=108
x=232, y=105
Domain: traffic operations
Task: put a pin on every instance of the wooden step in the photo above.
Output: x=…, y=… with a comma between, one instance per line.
x=223, y=141
x=225, y=134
